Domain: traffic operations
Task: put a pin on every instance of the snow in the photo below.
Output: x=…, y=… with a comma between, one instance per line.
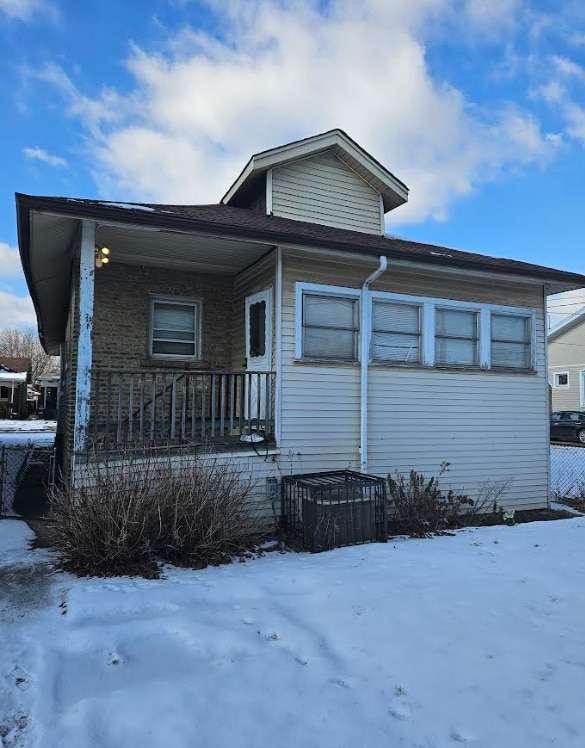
x=475, y=639
x=11, y=376
x=27, y=433
x=130, y=206
x=6, y=425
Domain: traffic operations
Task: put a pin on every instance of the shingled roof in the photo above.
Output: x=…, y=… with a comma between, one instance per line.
x=245, y=223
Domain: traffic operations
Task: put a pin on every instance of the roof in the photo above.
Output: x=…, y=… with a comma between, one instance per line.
x=16, y=363
x=566, y=325
x=12, y=376
x=393, y=191
x=227, y=221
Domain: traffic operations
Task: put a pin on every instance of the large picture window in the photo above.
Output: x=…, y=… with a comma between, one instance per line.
x=396, y=332
x=175, y=328
x=456, y=337
x=330, y=327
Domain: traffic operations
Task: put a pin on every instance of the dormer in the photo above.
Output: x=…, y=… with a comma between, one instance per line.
x=327, y=179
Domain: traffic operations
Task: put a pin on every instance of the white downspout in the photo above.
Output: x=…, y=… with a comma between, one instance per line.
x=365, y=338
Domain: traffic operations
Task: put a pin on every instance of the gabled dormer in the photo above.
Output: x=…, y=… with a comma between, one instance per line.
x=327, y=179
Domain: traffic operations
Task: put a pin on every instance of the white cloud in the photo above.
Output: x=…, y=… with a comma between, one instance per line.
x=9, y=261
x=287, y=70
x=41, y=155
x=16, y=311
x=23, y=10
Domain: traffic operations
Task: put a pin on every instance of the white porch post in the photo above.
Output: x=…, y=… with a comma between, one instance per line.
x=84, y=345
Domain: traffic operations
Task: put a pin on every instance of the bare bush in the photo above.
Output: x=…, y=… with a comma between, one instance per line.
x=122, y=512
x=488, y=496
x=420, y=507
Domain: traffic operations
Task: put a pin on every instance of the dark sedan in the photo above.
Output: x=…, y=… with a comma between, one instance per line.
x=567, y=426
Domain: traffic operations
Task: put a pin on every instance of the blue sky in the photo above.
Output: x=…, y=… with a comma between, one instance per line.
x=478, y=105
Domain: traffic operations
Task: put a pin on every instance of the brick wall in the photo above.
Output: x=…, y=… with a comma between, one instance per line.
x=121, y=315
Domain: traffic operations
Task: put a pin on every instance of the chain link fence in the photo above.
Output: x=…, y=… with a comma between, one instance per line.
x=25, y=474
x=567, y=467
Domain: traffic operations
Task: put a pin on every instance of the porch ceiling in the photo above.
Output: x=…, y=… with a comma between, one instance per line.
x=54, y=241
x=180, y=251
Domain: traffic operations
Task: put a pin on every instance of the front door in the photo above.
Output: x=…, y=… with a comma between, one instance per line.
x=258, y=353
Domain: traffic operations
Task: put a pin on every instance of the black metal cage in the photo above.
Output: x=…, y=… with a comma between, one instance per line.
x=333, y=509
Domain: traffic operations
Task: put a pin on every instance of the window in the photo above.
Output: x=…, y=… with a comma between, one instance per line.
x=561, y=380
x=396, y=332
x=175, y=328
x=511, y=342
x=257, y=329
x=330, y=327
x=456, y=337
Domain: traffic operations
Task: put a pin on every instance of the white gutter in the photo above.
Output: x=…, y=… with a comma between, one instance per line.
x=365, y=338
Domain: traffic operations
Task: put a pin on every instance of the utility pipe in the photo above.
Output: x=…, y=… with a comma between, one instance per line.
x=365, y=338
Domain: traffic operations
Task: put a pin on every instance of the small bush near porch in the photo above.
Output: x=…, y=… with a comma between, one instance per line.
x=191, y=509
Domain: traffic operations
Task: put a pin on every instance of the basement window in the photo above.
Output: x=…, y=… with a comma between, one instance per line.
x=175, y=328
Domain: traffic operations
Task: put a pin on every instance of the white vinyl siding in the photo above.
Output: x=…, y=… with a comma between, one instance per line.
x=175, y=328
x=456, y=337
x=324, y=190
x=396, y=333
x=330, y=327
x=489, y=425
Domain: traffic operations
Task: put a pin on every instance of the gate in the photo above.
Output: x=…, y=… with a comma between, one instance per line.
x=25, y=473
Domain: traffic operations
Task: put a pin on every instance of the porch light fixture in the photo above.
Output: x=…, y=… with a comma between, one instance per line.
x=102, y=256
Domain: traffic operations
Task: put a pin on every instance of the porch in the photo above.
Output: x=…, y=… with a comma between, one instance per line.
x=138, y=409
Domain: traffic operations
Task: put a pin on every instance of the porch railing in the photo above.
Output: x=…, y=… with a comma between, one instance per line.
x=152, y=408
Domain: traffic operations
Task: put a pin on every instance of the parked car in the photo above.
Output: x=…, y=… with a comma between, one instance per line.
x=567, y=425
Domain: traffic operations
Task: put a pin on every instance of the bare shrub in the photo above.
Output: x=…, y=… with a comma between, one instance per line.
x=420, y=506
x=123, y=511
x=488, y=496
x=211, y=512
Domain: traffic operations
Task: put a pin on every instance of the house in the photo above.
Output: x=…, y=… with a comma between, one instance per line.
x=285, y=330
x=566, y=362
x=15, y=374
x=48, y=395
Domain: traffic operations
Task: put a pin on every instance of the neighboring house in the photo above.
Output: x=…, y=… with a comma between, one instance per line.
x=15, y=374
x=566, y=363
x=48, y=397
x=283, y=328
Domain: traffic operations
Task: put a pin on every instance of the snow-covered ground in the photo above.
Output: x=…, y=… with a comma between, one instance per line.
x=40, y=433
x=476, y=639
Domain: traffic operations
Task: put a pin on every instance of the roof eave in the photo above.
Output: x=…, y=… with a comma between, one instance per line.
x=396, y=192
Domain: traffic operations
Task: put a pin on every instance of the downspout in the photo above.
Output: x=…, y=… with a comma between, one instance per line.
x=365, y=338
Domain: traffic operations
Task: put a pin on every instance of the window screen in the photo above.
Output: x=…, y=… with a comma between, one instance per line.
x=511, y=348
x=175, y=329
x=396, y=332
x=330, y=327
x=456, y=337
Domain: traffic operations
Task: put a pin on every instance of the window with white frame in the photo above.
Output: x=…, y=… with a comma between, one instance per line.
x=456, y=337
x=511, y=338
x=408, y=330
x=561, y=380
x=396, y=332
x=330, y=327
x=175, y=328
